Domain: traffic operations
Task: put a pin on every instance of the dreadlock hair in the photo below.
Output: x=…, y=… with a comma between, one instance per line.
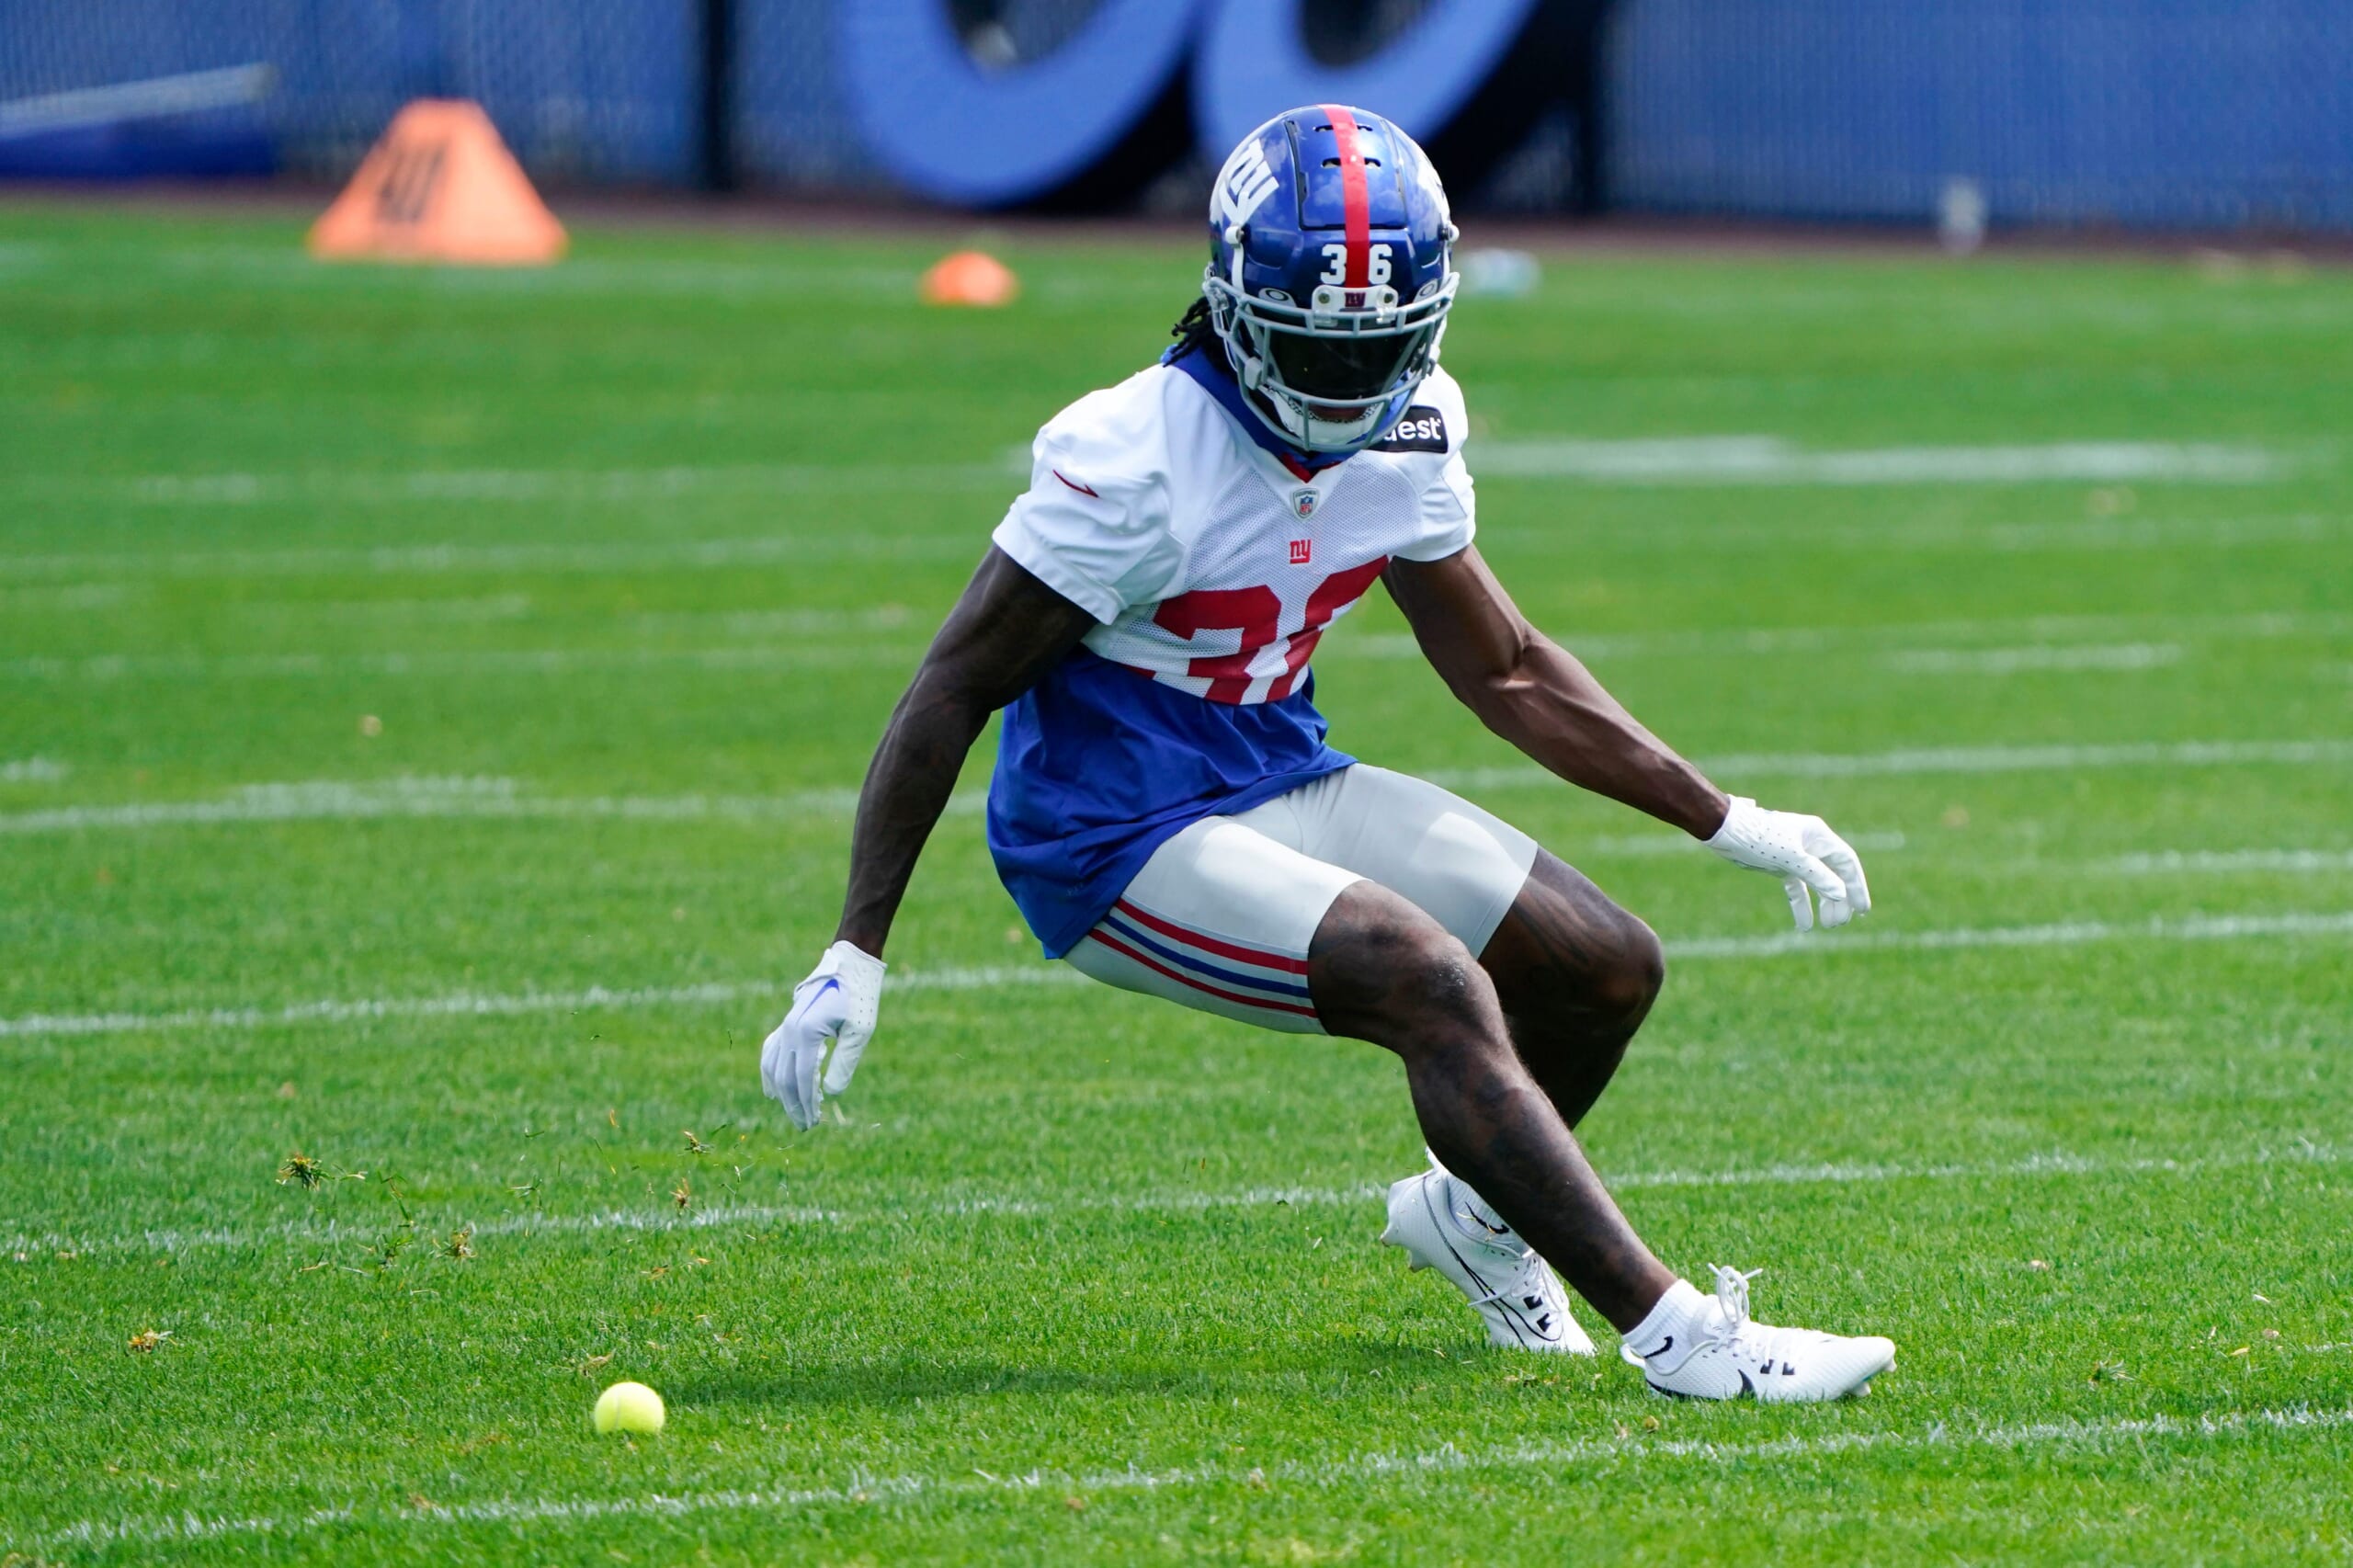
x=1193, y=332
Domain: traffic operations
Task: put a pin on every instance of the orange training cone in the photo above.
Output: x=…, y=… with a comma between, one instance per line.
x=970, y=277
x=441, y=187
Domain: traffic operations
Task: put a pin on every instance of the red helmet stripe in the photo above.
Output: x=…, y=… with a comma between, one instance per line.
x=1355, y=203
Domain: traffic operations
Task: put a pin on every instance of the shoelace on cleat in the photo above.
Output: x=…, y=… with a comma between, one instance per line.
x=1525, y=1282
x=1732, y=1296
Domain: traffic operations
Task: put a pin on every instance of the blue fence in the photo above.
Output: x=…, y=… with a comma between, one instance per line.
x=2147, y=113
x=584, y=89
x=2165, y=113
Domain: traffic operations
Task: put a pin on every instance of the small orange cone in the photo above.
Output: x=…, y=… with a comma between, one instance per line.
x=441, y=187
x=970, y=277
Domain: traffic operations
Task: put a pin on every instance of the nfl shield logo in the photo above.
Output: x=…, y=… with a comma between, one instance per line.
x=1305, y=503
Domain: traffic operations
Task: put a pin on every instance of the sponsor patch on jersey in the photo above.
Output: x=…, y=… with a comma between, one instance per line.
x=1422, y=430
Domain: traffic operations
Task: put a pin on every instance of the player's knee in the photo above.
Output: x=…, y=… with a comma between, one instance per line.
x=1440, y=993
x=1385, y=971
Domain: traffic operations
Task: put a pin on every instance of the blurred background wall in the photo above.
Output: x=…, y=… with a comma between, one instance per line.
x=2114, y=113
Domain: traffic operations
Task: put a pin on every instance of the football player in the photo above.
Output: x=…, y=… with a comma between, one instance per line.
x=1168, y=812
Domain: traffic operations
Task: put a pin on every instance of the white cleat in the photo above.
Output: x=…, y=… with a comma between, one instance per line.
x=1730, y=1356
x=1442, y=1224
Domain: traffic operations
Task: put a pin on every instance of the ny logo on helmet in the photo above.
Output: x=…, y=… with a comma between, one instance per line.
x=1244, y=185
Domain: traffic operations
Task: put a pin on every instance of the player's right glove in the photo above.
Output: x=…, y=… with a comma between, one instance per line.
x=814, y=1051
x=1803, y=852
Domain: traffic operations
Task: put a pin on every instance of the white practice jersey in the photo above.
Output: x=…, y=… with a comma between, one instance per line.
x=1212, y=564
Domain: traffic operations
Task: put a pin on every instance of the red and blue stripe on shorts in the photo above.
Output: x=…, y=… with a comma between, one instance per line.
x=1253, y=977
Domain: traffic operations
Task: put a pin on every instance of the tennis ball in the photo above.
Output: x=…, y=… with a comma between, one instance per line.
x=629, y=1407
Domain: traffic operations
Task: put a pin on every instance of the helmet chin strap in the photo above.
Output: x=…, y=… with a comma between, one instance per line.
x=1336, y=436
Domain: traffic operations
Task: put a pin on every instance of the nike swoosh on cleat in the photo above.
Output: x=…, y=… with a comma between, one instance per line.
x=1517, y=1322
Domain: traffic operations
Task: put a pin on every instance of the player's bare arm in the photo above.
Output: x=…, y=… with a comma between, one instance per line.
x=1539, y=697
x=1007, y=630
x=1533, y=693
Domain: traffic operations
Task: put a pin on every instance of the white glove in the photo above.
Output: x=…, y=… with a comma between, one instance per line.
x=831, y=1019
x=1803, y=852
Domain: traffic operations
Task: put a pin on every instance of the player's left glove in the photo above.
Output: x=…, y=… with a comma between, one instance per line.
x=814, y=1051
x=1803, y=852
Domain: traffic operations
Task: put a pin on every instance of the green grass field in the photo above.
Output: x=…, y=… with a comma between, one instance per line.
x=428, y=704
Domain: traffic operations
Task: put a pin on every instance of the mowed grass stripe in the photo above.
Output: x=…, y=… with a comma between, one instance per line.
x=2014, y=636
x=335, y=799
x=1440, y=1464
x=2034, y=658
x=2054, y=1164
x=2318, y=924
x=786, y=550
x=1707, y=459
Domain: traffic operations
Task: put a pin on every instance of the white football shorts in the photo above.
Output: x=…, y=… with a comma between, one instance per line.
x=1220, y=916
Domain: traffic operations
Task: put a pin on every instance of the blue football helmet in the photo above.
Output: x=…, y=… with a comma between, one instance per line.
x=1331, y=272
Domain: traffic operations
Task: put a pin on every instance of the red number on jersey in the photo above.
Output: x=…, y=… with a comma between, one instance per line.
x=1253, y=612
x=1256, y=613
x=1332, y=595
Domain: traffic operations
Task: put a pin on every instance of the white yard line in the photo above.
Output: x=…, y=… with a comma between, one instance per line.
x=1886, y=637
x=850, y=648
x=355, y=487
x=2035, y=537
x=32, y=770
x=2055, y=1163
x=1771, y=460
x=815, y=655
x=249, y=612
x=2038, y=758
x=1708, y=460
x=2205, y=862
x=474, y=1004
x=1441, y=1464
x=779, y=548
x=2035, y=657
x=334, y=800
x=63, y=598
x=2073, y=933
x=789, y=549
x=1957, y=760
x=1647, y=845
